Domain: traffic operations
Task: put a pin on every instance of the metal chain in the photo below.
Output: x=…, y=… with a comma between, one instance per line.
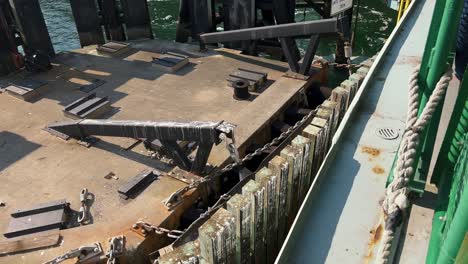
x=176, y=196
x=115, y=249
x=158, y=230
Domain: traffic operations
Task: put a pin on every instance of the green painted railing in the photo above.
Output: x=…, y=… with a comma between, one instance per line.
x=450, y=222
x=449, y=236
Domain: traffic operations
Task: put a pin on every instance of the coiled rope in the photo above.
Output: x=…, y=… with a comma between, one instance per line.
x=396, y=198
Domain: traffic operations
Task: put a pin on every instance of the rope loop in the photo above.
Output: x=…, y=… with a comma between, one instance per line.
x=396, y=197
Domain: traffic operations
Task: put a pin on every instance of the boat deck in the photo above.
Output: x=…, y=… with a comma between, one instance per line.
x=36, y=167
x=339, y=220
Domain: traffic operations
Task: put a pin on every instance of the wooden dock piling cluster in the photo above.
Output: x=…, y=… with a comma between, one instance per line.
x=255, y=222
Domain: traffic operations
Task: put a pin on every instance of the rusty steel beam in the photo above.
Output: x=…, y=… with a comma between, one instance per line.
x=299, y=29
x=201, y=132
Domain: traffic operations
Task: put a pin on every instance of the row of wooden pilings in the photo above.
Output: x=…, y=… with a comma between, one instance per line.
x=253, y=224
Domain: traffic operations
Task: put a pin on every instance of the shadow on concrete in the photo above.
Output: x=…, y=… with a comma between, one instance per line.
x=14, y=147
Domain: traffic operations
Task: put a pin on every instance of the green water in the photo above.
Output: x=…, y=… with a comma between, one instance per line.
x=376, y=22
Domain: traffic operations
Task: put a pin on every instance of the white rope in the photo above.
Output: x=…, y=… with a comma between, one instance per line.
x=396, y=199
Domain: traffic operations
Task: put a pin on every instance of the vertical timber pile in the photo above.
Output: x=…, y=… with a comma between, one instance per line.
x=87, y=21
x=111, y=20
x=137, y=19
x=195, y=17
x=105, y=21
x=8, y=49
x=31, y=26
x=239, y=14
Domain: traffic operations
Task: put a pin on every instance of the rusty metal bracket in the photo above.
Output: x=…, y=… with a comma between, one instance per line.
x=184, y=176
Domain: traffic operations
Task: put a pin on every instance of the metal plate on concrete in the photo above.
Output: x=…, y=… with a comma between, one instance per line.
x=254, y=78
x=36, y=223
x=40, y=208
x=25, y=89
x=137, y=183
x=170, y=62
x=113, y=48
x=89, y=106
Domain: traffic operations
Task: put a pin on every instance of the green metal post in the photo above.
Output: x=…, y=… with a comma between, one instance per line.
x=444, y=167
x=456, y=231
x=443, y=55
x=431, y=40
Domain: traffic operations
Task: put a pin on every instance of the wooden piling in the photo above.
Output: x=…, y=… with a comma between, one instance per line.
x=216, y=237
x=186, y=254
x=323, y=142
x=315, y=134
x=202, y=17
x=326, y=114
x=351, y=87
x=32, y=27
x=294, y=158
x=303, y=144
x=239, y=14
x=333, y=107
x=268, y=181
x=280, y=168
x=87, y=22
x=240, y=207
x=7, y=44
x=256, y=193
x=137, y=19
x=111, y=20
x=341, y=97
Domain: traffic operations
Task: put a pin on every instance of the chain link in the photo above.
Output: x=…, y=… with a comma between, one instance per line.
x=176, y=196
x=157, y=229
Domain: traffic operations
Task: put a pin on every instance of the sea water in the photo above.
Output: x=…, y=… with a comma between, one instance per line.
x=375, y=23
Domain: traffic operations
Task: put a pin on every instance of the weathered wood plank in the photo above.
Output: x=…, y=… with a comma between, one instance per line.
x=341, y=97
x=280, y=167
x=294, y=158
x=303, y=144
x=268, y=181
x=216, y=237
x=333, y=107
x=257, y=240
x=314, y=134
x=186, y=254
x=350, y=86
x=240, y=207
x=326, y=114
x=323, y=140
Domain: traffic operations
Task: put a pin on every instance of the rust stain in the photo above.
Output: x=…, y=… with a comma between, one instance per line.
x=378, y=170
x=374, y=152
x=376, y=235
